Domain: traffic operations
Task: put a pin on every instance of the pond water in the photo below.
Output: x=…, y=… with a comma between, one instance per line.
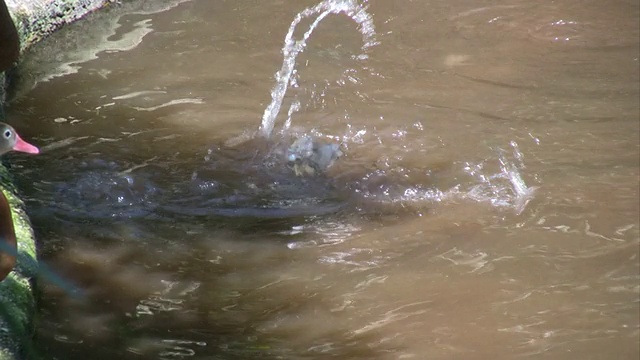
x=485, y=204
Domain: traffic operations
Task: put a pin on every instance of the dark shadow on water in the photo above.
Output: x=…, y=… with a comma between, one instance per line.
x=155, y=246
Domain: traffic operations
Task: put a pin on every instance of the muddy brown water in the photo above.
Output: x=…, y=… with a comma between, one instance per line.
x=414, y=245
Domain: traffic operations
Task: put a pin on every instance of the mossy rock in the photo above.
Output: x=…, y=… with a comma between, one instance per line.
x=17, y=303
x=36, y=19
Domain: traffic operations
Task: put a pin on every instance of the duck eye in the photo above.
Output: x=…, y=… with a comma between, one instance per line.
x=7, y=134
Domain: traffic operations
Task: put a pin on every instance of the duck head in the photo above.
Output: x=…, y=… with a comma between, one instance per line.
x=10, y=140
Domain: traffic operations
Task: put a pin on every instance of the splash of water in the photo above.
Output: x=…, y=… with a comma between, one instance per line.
x=357, y=12
x=506, y=188
x=503, y=188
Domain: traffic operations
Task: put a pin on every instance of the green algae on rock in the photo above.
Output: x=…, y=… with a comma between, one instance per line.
x=17, y=302
x=36, y=19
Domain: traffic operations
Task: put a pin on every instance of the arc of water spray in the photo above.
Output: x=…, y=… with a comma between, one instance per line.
x=292, y=48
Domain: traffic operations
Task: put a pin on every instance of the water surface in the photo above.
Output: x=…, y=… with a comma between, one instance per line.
x=189, y=241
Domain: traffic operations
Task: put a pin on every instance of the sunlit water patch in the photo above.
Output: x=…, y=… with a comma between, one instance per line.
x=115, y=34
